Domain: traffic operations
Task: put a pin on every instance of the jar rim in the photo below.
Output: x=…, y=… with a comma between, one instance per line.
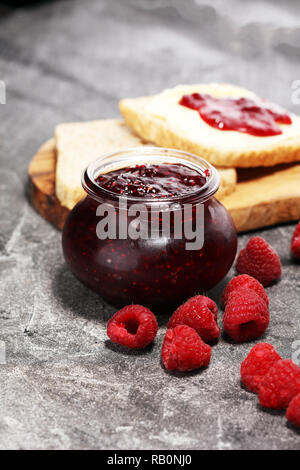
x=121, y=158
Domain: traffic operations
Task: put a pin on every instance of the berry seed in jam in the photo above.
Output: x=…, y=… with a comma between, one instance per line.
x=153, y=181
x=256, y=117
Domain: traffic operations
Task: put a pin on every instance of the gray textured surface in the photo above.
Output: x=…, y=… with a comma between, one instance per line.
x=64, y=385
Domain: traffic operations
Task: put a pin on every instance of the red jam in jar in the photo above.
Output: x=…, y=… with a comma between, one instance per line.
x=157, y=192
x=256, y=117
x=153, y=180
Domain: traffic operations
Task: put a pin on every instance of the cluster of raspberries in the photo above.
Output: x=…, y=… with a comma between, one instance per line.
x=195, y=323
x=184, y=347
x=246, y=317
x=275, y=380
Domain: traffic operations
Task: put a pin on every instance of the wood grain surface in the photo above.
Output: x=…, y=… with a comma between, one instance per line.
x=42, y=185
x=264, y=196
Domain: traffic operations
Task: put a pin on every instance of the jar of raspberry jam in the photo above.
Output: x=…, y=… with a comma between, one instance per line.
x=131, y=238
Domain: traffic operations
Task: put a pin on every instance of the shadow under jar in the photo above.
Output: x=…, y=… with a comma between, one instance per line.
x=157, y=270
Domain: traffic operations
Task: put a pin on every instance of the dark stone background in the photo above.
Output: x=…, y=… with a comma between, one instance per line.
x=64, y=385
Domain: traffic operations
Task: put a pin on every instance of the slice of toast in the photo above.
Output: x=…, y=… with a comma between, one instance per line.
x=78, y=144
x=228, y=182
x=162, y=120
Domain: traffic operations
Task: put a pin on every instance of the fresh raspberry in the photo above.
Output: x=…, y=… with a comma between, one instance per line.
x=243, y=280
x=184, y=350
x=259, y=360
x=133, y=326
x=199, y=313
x=246, y=315
x=293, y=411
x=280, y=384
x=260, y=260
x=295, y=243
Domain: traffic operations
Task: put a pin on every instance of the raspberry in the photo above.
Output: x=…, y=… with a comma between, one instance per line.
x=295, y=243
x=260, y=260
x=184, y=350
x=199, y=313
x=243, y=280
x=293, y=411
x=246, y=315
x=280, y=384
x=133, y=326
x=259, y=360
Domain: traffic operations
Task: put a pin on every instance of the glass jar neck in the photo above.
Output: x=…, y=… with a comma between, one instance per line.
x=149, y=155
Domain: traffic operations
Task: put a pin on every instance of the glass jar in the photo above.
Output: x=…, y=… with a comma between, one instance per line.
x=165, y=268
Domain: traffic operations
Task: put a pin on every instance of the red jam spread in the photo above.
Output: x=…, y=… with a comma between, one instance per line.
x=155, y=181
x=256, y=117
x=159, y=272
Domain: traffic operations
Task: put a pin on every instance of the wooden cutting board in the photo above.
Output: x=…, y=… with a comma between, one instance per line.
x=264, y=196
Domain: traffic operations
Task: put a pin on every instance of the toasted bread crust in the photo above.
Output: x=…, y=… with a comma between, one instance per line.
x=228, y=182
x=159, y=131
